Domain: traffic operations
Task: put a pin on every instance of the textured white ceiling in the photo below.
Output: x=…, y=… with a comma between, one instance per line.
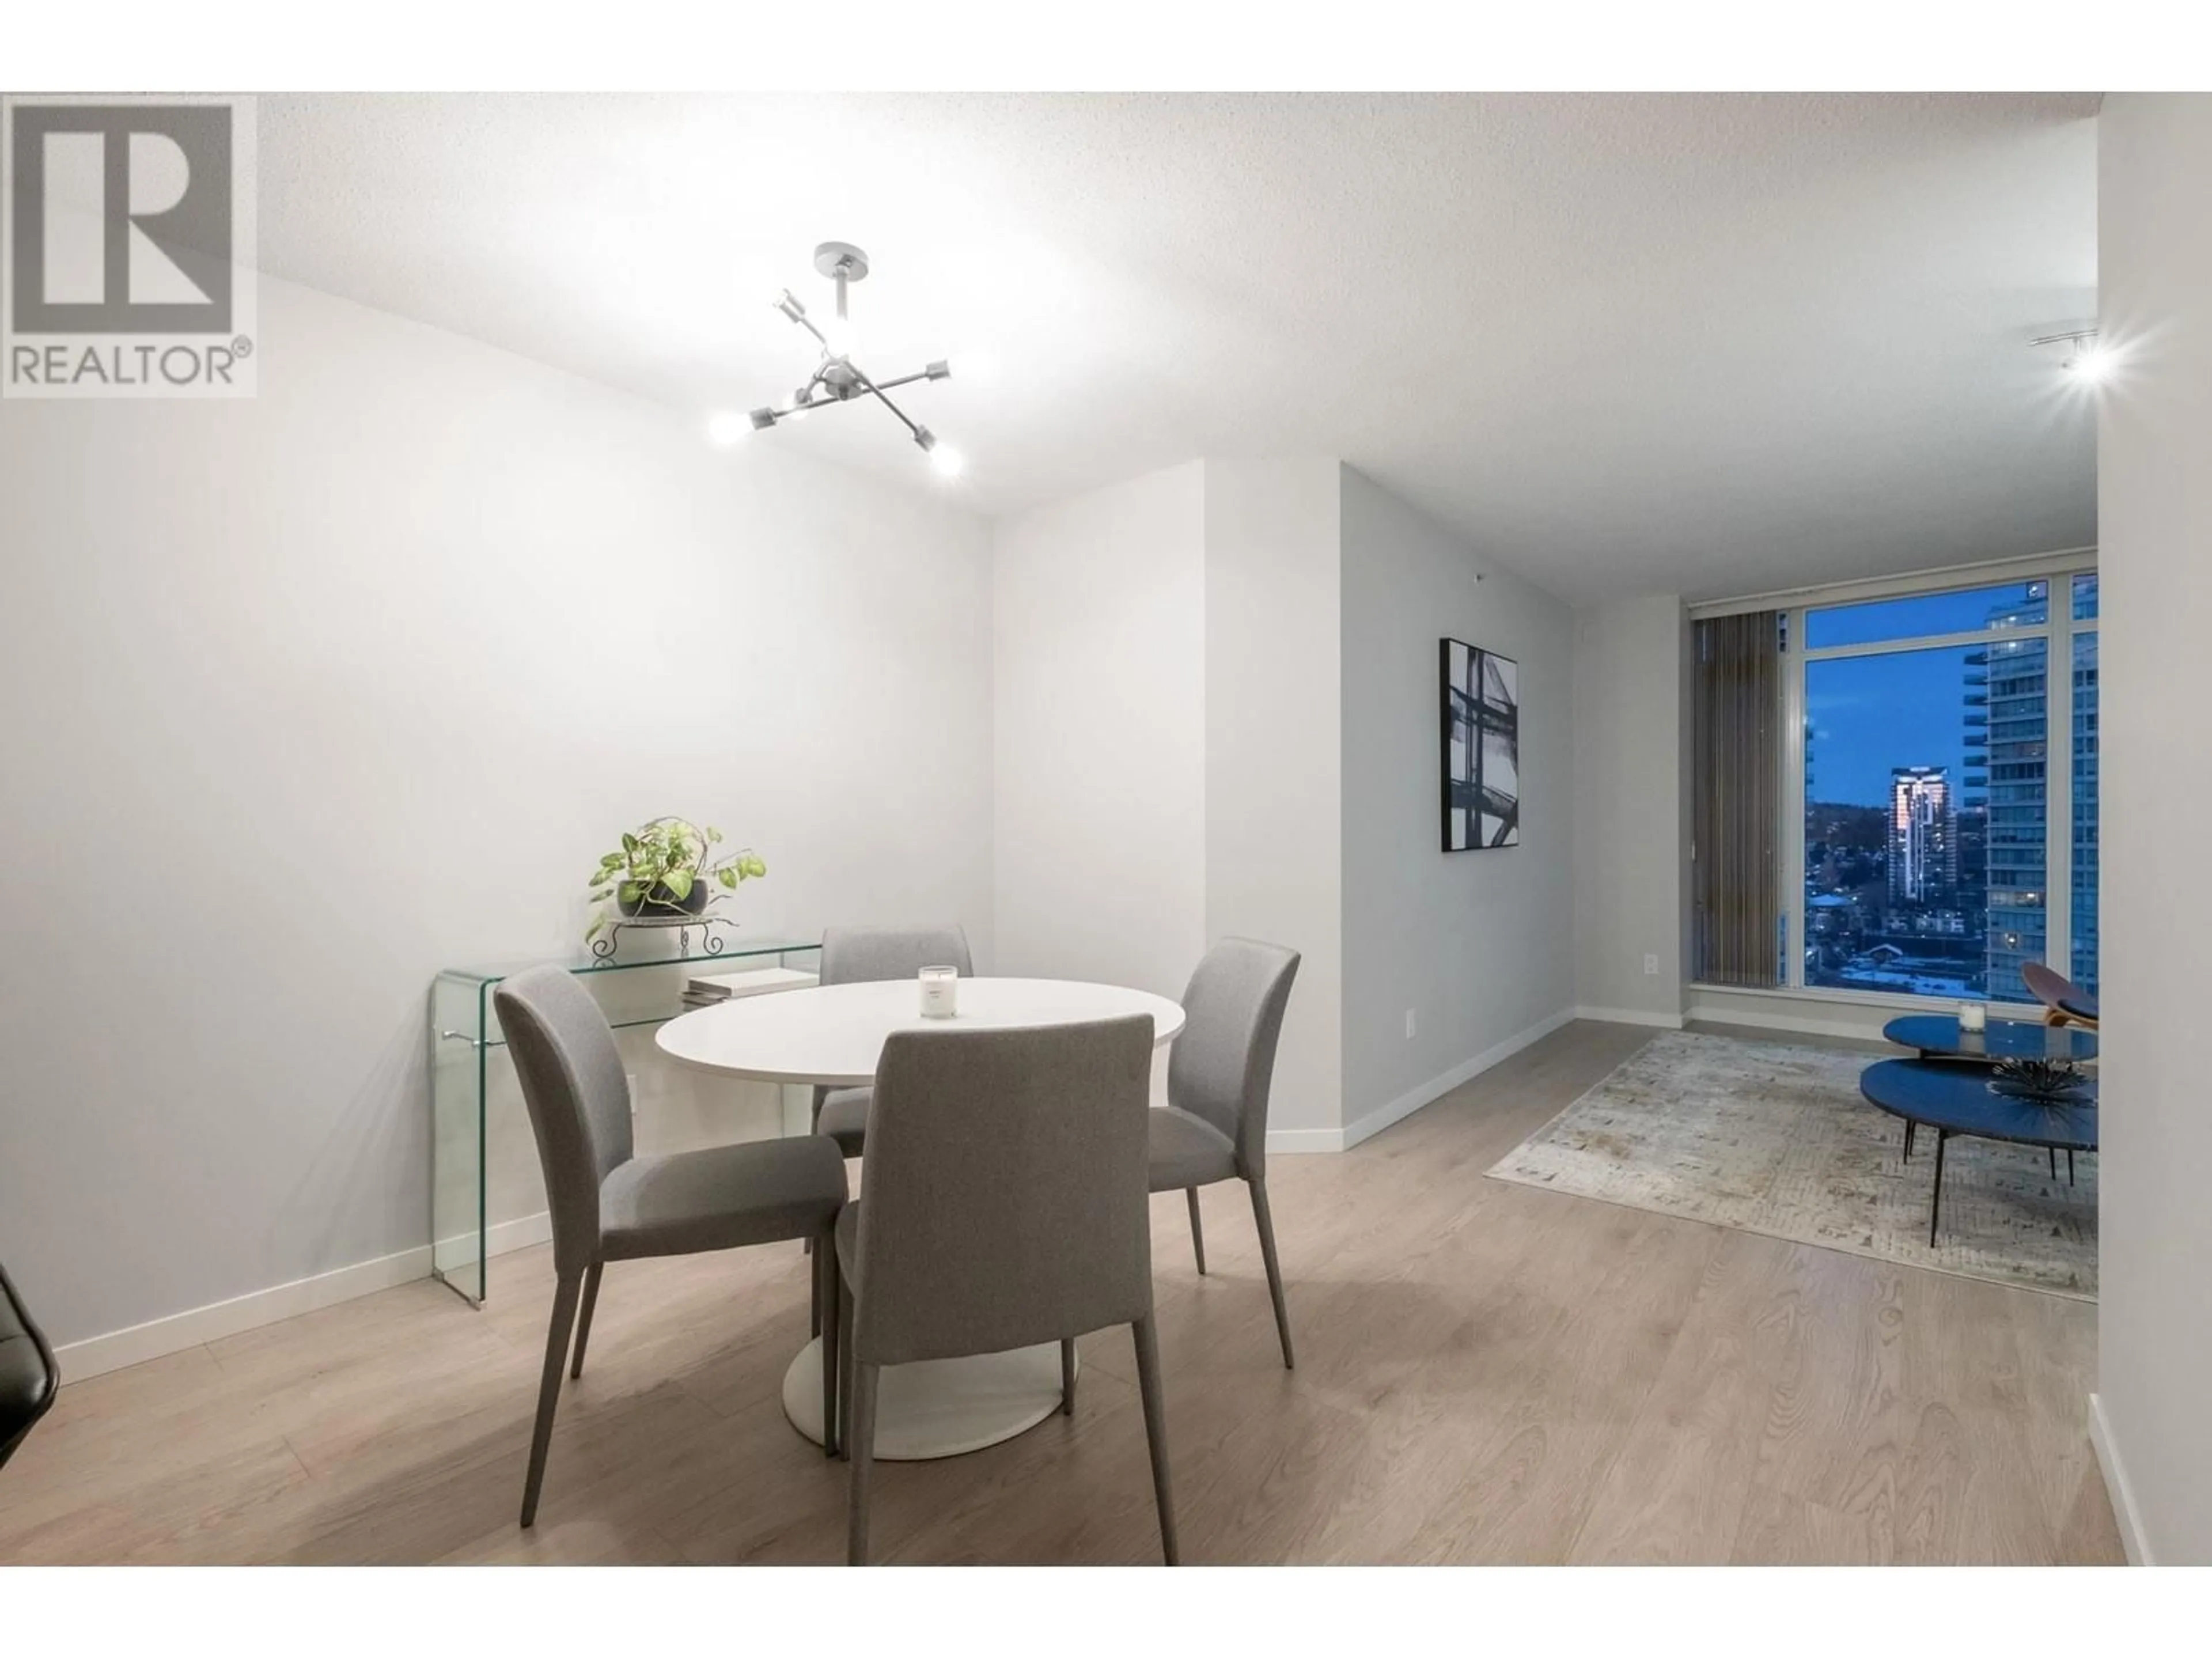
x=1625, y=344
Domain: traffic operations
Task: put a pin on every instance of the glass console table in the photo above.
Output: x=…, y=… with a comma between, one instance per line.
x=486, y=1191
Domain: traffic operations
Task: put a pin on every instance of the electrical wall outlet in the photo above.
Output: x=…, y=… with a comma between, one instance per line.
x=1650, y=964
x=1409, y=1021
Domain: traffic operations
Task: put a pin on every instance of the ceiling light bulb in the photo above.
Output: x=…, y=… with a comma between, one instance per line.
x=839, y=336
x=725, y=428
x=2092, y=363
x=945, y=461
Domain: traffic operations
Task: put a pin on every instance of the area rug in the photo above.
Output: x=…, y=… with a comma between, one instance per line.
x=1775, y=1138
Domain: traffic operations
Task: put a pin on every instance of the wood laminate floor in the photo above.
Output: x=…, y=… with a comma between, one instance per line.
x=1487, y=1373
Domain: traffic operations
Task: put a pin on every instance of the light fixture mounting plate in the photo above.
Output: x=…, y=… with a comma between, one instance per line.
x=833, y=258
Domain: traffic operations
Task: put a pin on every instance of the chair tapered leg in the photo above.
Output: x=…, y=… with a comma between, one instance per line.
x=1197, y=1232
x=814, y=1314
x=584, y=1319
x=863, y=1454
x=1156, y=1430
x=549, y=1388
x=1067, y=1375
x=825, y=1288
x=1265, y=1222
x=2051, y=1152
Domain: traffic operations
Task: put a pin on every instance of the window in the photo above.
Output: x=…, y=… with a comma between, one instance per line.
x=2082, y=934
x=1963, y=610
x=1928, y=847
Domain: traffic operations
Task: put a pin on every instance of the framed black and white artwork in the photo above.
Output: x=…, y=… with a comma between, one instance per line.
x=1482, y=747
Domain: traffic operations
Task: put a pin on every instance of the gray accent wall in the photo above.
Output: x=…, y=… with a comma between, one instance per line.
x=1274, y=845
x=1630, y=840
x=1478, y=945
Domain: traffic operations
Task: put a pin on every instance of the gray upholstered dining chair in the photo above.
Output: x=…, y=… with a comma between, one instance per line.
x=609, y=1205
x=1214, y=1126
x=1005, y=1206
x=851, y=954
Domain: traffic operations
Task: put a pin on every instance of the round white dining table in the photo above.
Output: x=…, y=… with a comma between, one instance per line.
x=832, y=1035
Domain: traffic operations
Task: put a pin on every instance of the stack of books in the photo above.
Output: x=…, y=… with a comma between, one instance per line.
x=707, y=990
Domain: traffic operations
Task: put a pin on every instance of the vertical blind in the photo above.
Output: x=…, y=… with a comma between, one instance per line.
x=1736, y=706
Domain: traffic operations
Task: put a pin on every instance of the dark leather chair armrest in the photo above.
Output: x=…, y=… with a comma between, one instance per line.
x=29, y=1379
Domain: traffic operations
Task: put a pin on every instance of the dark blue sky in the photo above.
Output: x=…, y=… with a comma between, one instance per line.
x=1869, y=714
x=1966, y=612
x=1901, y=708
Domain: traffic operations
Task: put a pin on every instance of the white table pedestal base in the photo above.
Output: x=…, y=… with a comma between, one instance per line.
x=938, y=1407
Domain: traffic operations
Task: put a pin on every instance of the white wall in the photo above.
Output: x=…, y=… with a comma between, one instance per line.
x=1168, y=766
x=1274, y=840
x=1478, y=945
x=2155, y=510
x=1099, y=662
x=310, y=696
x=1630, y=843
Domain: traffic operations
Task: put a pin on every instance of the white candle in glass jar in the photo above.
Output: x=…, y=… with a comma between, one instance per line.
x=1971, y=1016
x=940, y=993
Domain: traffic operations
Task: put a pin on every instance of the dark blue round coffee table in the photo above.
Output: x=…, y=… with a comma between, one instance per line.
x=1937, y=1037
x=1958, y=1100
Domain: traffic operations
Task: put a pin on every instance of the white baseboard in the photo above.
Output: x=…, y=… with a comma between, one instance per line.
x=1868, y=1028
x=1296, y=1141
x=1338, y=1140
x=2116, y=1483
x=177, y=1331
x=1632, y=1016
x=452, y=1255
x=157, y=1337
x=518, y=1234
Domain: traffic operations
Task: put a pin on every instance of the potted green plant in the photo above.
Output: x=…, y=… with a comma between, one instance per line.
x=666, y=868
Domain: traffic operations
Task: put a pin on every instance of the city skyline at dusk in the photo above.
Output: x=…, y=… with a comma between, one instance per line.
x=1928, y=792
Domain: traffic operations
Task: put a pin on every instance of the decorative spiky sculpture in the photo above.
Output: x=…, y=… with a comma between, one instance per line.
x=2039, y=1079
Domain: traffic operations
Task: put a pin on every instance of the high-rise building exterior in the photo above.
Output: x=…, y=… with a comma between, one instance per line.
x=2083, y=910
x=2010, y=742
x=1974, y=804
x=1924, y=836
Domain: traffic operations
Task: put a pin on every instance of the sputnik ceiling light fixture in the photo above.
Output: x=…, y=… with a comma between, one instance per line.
x=836, y=377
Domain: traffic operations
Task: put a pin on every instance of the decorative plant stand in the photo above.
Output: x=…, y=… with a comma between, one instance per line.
x=711, y=944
